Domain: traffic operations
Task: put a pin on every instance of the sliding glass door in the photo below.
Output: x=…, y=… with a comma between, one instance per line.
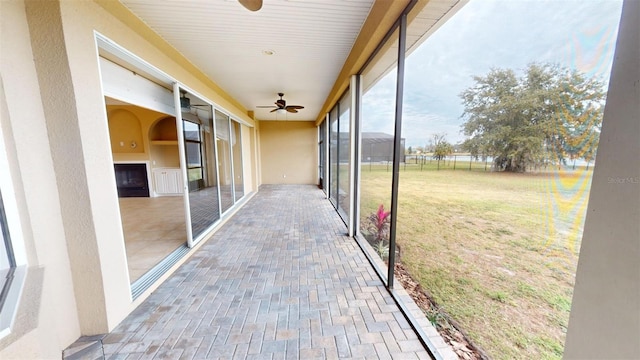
x=236, y=145
x=210, y=145
x=199, y=158
x=223, y=143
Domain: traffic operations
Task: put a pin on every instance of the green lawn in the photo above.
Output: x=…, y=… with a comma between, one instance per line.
x=497, y=251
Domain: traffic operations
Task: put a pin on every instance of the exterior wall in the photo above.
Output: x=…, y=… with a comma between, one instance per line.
x=80, y=20
x=256, y=155
x=56, y=136
x=288, y=152
x=605, y=315
x=78, y=134
x=247, y=158
x=47, y=319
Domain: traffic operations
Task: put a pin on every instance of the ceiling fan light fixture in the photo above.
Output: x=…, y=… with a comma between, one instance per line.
x=281, y=108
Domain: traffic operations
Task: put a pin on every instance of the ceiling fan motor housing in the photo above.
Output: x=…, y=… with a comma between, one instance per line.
x=281, y=104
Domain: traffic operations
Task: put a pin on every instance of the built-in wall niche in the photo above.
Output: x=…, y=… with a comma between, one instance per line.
x=163, y=137
x=164, y=132
x=125, y=131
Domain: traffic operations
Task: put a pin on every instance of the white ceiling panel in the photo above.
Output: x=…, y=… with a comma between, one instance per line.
x=310, y=40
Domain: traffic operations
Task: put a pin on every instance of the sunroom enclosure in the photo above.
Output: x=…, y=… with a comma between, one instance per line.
x=344, y=124
x=345, y=121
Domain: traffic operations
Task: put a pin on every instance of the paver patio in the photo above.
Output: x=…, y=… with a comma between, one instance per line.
x=281, y=279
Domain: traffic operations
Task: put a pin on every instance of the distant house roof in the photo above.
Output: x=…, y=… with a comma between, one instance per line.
x=373, y=137
x=376, y=135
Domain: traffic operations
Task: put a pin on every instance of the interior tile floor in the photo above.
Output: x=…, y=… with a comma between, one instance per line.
x=153, y=228
x=280, y=279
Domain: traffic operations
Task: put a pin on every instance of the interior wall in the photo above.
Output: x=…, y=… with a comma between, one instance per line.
x=153, y=132
x=125, y=132
x=605, y=316
x=163, y=143
x=288, y=152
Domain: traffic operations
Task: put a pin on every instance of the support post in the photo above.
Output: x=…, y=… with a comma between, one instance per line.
x=402, y=29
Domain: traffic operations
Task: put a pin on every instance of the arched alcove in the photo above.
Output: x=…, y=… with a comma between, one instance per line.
x=163, y=137
x=125, y=132
x=164, y=129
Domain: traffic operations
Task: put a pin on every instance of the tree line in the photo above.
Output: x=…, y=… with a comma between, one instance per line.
x=547, y=116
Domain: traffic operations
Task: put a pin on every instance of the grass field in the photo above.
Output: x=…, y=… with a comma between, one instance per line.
x=497, y=251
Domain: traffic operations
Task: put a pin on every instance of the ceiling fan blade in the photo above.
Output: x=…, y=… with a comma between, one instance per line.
x=295, y=107
x=251, y=5
x=291, y=110
x=274, y=110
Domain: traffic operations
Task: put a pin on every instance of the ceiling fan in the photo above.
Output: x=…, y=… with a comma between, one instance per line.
x=281, y=104
x=251, y=5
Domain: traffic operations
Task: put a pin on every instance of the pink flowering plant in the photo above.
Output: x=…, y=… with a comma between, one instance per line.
x=377, y=231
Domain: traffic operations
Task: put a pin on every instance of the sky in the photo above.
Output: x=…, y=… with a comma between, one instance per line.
x=486, y=34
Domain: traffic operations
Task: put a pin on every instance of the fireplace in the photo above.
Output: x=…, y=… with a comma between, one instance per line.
x=132, y=180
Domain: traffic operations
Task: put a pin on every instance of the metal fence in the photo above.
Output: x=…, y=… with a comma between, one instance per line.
x=426, y=162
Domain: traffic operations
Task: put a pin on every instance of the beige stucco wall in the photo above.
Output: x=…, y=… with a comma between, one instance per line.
x=288, y=152
x=57, y=137
x=27, y=145
x=605, y=315
x=247, y=174
x=80, y=19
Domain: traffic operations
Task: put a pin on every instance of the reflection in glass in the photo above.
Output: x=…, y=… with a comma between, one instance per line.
x=224, y=160
x=197, y=123
x=236, y=142
x=344, y=152
x=376, y=144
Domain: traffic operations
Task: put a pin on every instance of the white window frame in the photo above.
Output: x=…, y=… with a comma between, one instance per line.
x=16, y=240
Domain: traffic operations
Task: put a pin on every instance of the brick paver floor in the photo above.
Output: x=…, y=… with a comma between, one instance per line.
x=280, y=280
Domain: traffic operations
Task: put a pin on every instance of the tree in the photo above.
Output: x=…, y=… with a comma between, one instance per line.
x=547, y=115
x=441, y=147
x=409, y=150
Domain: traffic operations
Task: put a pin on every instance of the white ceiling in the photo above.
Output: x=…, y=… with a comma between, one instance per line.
x=311, y=40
